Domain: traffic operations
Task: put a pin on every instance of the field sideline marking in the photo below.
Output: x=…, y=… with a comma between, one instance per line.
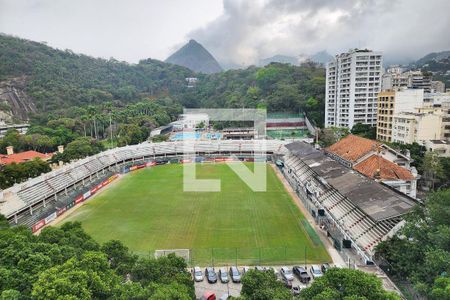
x=332, y=252
x=74, y=208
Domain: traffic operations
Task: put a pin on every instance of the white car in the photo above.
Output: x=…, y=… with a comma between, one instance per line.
x=316, y=272
x=245, y=269
x=287, y=273
x=197, y=274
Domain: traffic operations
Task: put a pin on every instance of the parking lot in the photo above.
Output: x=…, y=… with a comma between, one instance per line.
x=234, y=289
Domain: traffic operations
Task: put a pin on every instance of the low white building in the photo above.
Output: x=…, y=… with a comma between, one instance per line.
x=191, y=121
x=441, y=147
x=409, y=127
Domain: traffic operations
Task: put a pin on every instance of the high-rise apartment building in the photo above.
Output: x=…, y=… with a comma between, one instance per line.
x=353, y=81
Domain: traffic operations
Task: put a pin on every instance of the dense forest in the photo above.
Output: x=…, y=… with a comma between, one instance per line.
x=66, y=263
x=57, y=80
x=420, y=252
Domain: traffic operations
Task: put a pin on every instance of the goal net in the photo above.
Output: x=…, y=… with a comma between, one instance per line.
x=184, y=253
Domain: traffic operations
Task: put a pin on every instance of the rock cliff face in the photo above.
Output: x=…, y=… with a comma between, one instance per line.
x=15, y=104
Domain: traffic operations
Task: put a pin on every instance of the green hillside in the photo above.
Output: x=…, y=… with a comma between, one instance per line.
x=56, y=80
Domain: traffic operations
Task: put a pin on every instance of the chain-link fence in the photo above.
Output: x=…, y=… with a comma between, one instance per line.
x=252, y=256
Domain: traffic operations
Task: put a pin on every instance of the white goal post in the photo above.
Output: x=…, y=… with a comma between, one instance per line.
x=184, y=253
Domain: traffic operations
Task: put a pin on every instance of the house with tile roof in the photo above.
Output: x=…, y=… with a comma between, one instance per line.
x=377, y=161
x=6, y=159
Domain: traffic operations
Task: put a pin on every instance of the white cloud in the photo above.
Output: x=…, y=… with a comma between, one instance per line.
x=400, y=28
x=235, y=31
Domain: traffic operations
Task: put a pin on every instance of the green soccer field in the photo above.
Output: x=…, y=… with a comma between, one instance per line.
x=148, y=210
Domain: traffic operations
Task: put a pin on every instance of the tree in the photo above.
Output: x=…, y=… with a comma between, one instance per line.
x=85, y=278
x=3, y=222
x=163, y=270
x=440, y=289
x=364, y=130
x=329, y=136
x=263, y=285
x=16, y=173
x=343, y=284
x=10, y=295
x=79, y=148
x=169, y=292
x=201, y=125
x=432, y=168
x=119, y=256
x=130, y=134
x=419, y=252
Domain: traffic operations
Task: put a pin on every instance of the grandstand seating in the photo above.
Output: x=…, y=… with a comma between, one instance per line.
x=36, y=192
x=362, y=229
x=59, y=182
x=45, y=186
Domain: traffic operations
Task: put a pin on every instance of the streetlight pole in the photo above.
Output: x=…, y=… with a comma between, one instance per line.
x=305, y=257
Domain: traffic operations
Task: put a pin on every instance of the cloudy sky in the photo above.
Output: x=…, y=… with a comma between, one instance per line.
x=235, y=31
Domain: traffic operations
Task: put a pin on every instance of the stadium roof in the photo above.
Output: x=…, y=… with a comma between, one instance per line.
x=377, y=200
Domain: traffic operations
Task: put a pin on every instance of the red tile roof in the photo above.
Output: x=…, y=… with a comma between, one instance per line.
x=352, y=147
x=22, y=157
x=388, y=169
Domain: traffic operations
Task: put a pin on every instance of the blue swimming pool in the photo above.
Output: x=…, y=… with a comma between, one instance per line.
x=212, y=136
x=181, y=136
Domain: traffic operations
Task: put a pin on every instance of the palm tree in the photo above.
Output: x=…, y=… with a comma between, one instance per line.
x=92, y=111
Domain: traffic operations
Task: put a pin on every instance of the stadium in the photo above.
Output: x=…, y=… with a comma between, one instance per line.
x=142, y=204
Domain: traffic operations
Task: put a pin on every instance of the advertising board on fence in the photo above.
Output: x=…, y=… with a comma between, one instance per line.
x=50, y=218
x=77, y=200
x=61, y=211
x=38, y=225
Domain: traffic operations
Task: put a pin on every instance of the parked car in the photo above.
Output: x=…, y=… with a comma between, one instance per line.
x=302, y=274
x=197, y=274
x=245, y=270
x=325, y=267
x=287, y=273
x=315, y=271
x=211, y=275
x=223, y=275
x=287, y=283
x=295, y=290
x=207, y=295
x=235, y=275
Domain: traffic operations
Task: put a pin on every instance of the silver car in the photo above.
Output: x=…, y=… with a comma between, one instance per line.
x=197, y=274
x=287, y=273
x=316, y=272
x=235, y=275
x=223, y=275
